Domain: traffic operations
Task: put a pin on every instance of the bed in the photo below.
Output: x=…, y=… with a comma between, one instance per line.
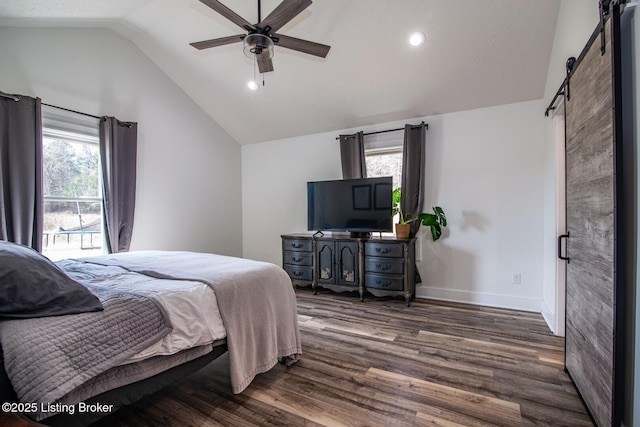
x=109, y=329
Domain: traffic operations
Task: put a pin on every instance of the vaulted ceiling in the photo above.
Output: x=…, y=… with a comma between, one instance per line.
x=478, y=53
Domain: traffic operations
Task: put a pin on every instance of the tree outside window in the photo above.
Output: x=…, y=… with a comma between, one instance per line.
x=72, y=195
x=387, y=162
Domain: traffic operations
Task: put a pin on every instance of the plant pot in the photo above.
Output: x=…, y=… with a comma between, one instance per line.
x=402, y=231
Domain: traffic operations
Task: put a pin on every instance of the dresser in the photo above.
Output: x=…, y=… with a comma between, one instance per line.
x=390, y=267
x=382, y=266
x=298, y=258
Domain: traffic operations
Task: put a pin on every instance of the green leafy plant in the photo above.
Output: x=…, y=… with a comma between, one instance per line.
x=436, y=220
x=395, y=203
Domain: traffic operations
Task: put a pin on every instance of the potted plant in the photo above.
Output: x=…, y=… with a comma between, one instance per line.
x=435, y=221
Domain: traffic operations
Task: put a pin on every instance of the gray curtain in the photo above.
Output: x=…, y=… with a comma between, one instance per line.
x=21, y=198
x=118, y=151
x=412, y=180
x=352, y=155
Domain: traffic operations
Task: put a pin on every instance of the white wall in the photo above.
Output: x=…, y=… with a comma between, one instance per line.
x=576, y=21
x=188, y=184
x=483, y=168
x=274, y=189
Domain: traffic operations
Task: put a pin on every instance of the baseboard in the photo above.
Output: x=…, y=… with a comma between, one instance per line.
x=549, y=317
x=477, y=298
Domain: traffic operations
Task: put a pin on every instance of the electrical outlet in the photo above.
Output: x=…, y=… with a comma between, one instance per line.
x=516, y=278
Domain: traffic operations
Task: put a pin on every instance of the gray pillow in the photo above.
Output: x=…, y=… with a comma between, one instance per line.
x=33, y=286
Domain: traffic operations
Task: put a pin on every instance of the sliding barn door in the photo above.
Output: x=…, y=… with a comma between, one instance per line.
x=591, y=309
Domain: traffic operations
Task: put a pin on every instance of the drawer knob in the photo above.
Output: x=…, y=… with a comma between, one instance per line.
x=382, y=250
x=298, y=273
x=383, y=283
x=297, y=259
x=383, y=267
x=296, y=245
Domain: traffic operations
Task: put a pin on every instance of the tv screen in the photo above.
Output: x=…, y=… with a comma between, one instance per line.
x=354, y=205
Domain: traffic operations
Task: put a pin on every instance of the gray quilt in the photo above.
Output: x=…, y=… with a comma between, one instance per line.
x=46, y=358
x=256, y=302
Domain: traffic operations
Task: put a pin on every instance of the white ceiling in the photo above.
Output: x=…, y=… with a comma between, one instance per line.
x=478, y=53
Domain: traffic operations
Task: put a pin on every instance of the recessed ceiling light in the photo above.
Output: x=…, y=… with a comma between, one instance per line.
x=252, y=85
x=416, y=39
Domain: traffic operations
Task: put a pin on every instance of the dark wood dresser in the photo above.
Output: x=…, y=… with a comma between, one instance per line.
x=382, y=266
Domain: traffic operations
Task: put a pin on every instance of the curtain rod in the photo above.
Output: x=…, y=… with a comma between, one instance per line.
x=127, y=124
x=391, y=130
x=8, y=95
x=72, y=111
x=17, y=98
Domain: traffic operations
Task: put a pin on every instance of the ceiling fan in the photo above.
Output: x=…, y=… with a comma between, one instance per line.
x=261, y=37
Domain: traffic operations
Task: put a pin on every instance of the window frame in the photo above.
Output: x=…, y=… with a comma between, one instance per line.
x=74, y=129
x=384, y=143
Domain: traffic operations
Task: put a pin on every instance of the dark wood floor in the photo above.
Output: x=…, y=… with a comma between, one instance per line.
x=379, y=363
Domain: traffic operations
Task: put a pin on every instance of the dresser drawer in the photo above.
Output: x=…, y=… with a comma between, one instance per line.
x=384, y=265
x=383, y=249
x=383, y=281
x=299, y=273
x=298, y=258
x=304, y=245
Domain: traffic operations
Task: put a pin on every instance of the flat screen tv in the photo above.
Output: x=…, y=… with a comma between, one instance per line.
x=359, y=206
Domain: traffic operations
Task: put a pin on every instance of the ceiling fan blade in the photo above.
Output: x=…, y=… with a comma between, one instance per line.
x=229, y=14
x=264, y=63
x=304, y=46
x=283, y=13
x=205, y=44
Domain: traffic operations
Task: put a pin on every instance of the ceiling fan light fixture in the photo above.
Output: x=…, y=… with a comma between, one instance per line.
x=258, y=44
x=252, y=85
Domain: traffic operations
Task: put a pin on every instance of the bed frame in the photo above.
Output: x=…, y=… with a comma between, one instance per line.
x=120, y=396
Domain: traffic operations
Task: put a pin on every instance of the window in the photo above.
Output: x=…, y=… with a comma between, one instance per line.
x=383, y=155
x=72, y=192
x=385, y=162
